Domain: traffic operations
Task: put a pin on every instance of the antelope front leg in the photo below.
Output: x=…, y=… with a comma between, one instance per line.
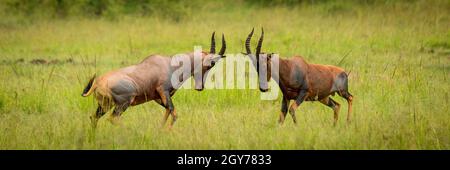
x=118, y=110
x=166, y=114
x=97, y=115
x=301, y=97
x=174, y=118
x=284, y=110
x=166, y=101
x=172, y=112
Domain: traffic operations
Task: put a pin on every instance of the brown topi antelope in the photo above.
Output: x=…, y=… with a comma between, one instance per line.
x=302, y=81
x=149, y=80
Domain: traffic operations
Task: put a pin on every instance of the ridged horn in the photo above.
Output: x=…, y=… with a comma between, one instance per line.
x=247, y=42
x=258, y=48
x=224, y=46
x=213, y=44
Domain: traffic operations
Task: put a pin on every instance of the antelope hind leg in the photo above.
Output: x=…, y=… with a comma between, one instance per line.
x=333, y=105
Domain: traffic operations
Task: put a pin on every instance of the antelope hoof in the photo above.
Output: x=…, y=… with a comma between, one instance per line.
x=115, y=120
x=170, y=127
x=280, y=122
x=93, y=122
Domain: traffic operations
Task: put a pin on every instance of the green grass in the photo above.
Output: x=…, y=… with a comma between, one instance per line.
x=398, y=57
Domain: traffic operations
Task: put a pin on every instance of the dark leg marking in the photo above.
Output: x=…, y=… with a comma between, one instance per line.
x=97, y=115
x=284, y=110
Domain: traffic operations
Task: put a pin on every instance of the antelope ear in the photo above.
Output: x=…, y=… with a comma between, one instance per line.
x=223, y=56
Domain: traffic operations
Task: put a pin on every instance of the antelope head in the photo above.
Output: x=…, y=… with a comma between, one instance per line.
x=261, y=60
x=209, y=60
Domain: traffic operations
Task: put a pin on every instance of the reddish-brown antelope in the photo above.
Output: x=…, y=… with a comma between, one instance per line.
x=301, y=81
x=149, y=80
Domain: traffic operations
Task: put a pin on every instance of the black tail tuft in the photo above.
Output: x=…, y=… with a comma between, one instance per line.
x=88, y=86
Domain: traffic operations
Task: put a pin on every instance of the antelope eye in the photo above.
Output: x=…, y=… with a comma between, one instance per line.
x=213, y=63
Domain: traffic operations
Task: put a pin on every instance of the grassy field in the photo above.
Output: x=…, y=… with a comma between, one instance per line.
x=398, y=55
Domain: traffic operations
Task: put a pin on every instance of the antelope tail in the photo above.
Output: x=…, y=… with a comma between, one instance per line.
x=90, y=87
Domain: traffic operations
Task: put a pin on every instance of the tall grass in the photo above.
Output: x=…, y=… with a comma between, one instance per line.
x=398, y=56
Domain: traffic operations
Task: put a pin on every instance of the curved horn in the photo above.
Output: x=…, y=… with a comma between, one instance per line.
x=247, y=42
x=224, y=46
x=258, y=48
x=213, y=44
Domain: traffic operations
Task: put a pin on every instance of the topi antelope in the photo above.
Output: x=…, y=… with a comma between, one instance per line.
x=301, y=81
x=149, y=80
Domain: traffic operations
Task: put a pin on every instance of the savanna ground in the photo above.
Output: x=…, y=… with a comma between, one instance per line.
x=398, y=54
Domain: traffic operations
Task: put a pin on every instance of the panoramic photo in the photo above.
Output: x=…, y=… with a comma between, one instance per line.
x=224, y=75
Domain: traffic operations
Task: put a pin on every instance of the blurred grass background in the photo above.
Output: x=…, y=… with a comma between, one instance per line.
x=398, y=53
